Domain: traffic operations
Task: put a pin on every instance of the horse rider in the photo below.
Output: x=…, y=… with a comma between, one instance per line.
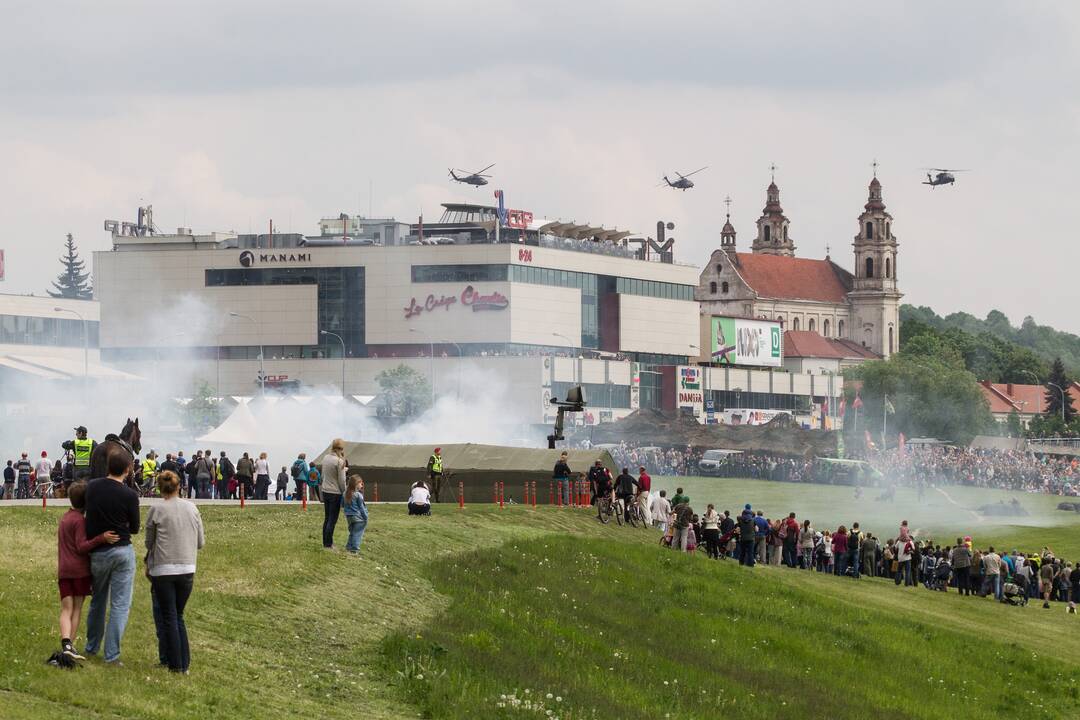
x=435, y=472
x=83, y=448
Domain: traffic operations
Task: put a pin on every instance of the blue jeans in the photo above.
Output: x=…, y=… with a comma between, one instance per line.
x=903, y=573
x=746, y=553
x=169, y=594
x=356, y=533
x=840, y=563
x=114, y=577
x=853, y=563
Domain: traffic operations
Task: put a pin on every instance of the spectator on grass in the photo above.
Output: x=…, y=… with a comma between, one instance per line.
x=660, y=509
x=806, y=545
x=111, y=505
x=419, y=499
x=710, y=530
x=332, y=489
x=747, y=531
x=684, y=515
x=174, y=536
x=9, y=481
x=281, y=492
x=356, y=514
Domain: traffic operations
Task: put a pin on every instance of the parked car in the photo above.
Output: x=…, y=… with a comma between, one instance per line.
x=711, y=461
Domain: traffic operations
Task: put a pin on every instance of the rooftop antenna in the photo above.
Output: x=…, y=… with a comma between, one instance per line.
x=875, y=166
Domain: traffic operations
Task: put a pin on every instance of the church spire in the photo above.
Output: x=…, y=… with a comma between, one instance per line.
x=772, y=237
x=727, y=234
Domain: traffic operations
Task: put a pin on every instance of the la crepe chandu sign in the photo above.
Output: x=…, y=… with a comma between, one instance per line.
x=469, y=297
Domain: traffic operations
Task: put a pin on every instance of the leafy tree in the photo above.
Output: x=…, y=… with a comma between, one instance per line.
x=1013, y=426
x=1056, y=395
x=73, y=282
x=931, y=396
x=204, y=410
x=404, y=392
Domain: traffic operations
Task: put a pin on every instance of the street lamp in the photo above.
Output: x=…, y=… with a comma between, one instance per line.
x=262, y=373
x=86, y=347
x=431, y=361
x=327, y=332
x=1054, y=385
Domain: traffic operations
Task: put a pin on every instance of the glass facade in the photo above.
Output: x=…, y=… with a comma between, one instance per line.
x=341, y=302
x=654, y=288
x=51, y=331
x=459, y=273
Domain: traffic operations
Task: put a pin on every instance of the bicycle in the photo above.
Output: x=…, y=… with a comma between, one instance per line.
x=636, y=514
x=46, y=489
x=605, y=508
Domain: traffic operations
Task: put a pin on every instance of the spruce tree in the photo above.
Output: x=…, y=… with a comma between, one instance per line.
x=1054, y=395
x=73, y=282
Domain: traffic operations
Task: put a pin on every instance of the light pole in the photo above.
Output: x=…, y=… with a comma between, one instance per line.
x=262, y=373
x=459, y=354
x=86, y=348
x=431, y=361
x=1059, y=389
x=327, y=332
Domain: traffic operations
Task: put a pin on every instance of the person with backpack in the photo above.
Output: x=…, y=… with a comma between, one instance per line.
x=205, y=472
x=299, y=472
x=226, y=471
x=854, y=548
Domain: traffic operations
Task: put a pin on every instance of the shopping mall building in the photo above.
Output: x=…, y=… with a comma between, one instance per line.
x=525, y=307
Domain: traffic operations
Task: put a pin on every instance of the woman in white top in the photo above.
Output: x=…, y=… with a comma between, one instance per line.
x=710, y=524
x=262, y=477
x=419, y=499
x=174, y=535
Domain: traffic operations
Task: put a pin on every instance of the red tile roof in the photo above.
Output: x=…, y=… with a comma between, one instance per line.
x=1026, y=399
x=789, y=278
x=808, y=344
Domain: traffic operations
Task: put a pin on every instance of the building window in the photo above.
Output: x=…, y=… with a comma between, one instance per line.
x=795, y=323
x=724, y=287
x=839, y=328
x=869, y=231
x=768, y=233
x=712, y=288
x=888, y=268
x=869, y=267
x=812, y=326
x=888, y=230
x=890, y=341
x=825, y=328
x=780, y=319
x=719, y=268
x=785, y=232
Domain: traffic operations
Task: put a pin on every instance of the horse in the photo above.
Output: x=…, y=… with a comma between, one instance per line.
x=128, y=441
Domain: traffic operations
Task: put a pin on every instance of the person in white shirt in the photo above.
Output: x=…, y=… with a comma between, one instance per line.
x=419, y=499
x=660, y=509
x=43, y=468
x=262, y=477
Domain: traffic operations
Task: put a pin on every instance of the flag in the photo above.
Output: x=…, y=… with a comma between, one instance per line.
x=902, y=444
x=889, y=406
x=869, y=442
x=843, y=406
x=858, y=402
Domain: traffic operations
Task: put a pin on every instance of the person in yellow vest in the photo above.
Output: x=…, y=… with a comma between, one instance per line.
x=150, y=469
x=82, y=447
x=435, y=472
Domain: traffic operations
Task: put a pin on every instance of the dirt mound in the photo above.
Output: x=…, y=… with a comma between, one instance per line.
x=781, y=436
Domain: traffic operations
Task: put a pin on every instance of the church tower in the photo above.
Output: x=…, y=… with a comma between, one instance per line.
x=876, y=299
x=772, y=237
x=727, y=233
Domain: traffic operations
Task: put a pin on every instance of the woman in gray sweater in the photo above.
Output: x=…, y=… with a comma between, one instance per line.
x=174, y=535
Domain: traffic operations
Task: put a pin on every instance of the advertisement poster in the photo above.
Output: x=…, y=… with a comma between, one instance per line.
x=737, y=341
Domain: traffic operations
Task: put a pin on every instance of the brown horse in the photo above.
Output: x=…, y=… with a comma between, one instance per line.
x=129, y=442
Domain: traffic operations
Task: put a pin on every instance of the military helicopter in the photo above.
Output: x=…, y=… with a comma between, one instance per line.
x=477, y=178
x=943, y=177
x=684, y=182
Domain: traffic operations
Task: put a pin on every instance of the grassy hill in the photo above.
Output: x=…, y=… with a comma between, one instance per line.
x=444, y=616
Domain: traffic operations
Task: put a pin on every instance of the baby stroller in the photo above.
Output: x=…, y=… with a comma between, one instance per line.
x=940, y=578
x=1015, y=592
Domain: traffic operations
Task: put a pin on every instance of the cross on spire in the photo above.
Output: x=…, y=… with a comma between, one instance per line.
x=875, y=166
x=727, y=202
x=828, y=250
x=772, y=172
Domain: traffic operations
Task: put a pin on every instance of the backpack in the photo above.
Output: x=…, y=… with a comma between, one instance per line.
x=297, y=468
x=783, y=530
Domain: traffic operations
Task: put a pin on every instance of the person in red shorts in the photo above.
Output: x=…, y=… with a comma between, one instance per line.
x=73, y=566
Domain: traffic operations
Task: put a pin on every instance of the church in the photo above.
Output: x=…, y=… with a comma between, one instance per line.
x=817, y=296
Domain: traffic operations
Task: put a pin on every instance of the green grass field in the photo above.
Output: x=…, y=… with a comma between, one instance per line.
x=442, y=617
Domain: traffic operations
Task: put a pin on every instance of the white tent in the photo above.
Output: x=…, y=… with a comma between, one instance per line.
x=240, y=428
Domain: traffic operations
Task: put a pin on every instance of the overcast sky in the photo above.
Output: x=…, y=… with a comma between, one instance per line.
x=226, y=114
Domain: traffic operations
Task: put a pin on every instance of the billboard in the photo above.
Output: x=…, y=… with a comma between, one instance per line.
x=737, y=341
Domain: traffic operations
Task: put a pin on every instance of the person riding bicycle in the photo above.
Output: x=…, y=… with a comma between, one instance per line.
x=625, y=486
x=599, y=481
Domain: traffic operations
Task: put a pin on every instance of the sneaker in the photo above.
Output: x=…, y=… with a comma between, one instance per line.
x=69, y=650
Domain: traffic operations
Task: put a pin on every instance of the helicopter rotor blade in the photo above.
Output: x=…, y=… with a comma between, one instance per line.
x=695, y=172
x=481, y=172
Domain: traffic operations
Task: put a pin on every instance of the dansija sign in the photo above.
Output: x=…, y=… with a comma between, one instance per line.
x=469, y=297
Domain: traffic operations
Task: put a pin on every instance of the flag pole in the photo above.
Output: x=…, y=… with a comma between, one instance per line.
x=884, y=421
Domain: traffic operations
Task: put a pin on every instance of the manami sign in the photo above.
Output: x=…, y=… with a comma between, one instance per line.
x=736, y=341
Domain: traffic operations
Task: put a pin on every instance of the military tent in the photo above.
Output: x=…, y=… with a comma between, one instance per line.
x=396, y=467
